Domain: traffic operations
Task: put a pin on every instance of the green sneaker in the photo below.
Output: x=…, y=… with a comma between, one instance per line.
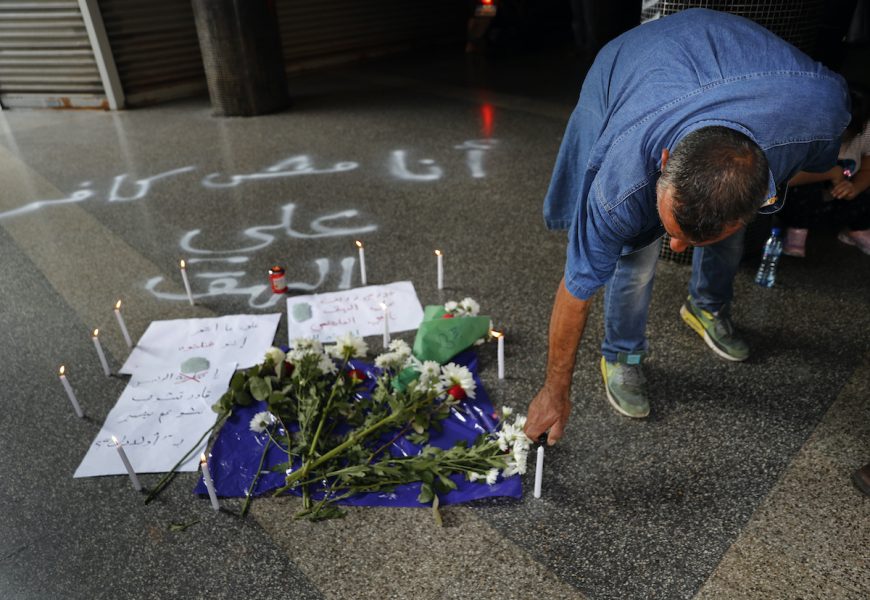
x=624, y=385
x=717, y=331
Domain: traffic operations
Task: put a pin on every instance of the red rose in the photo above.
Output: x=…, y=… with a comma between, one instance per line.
x=448, y=316
x=457, y=392
x=357, y=375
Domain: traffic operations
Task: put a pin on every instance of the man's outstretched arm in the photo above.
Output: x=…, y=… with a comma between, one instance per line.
x=550, y=408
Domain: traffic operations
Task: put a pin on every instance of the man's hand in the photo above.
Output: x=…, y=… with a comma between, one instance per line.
x=550, y=408
x=548, y=412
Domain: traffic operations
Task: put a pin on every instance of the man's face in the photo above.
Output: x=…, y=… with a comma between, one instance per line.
x=679, y=240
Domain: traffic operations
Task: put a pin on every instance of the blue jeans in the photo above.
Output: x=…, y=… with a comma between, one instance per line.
x=627, y=296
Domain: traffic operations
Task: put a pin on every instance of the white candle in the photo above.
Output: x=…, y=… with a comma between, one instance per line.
x=539, y=471
x=500, y=337
x=69, y=392
x=122, y=324
x=99, y=347
x=183, y=266
x=386, y=324
x=362, y=262
x=133, y=478
x=440, y=257
x=209, y=484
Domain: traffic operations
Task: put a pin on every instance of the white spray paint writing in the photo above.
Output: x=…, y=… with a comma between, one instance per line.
x=424, y=170
x=295, y=165
x=228, y=283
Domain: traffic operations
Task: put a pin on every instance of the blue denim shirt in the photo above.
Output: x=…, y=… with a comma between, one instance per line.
x=650, y=87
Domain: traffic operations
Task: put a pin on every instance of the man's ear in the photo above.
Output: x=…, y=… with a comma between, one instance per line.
x=665, y=155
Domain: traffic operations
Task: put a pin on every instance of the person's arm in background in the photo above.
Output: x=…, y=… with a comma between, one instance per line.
x=834, y=175
x=551, y=406
x=848, y=189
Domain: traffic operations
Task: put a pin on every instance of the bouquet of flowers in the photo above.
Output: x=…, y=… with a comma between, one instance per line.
x=336, y=424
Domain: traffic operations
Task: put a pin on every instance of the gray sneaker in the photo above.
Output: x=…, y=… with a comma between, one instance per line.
x=624, y=385
x=716, y=330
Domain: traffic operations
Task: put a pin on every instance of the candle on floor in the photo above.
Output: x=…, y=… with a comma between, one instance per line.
x=500, y=337
x=209, y=484
x=362, y=262
x=440, y=258
x=386, y=324
x=539, y=471
x=99, y=347
x=122, y=324
x=69, y=392
x=133, y=478
x=183, y=266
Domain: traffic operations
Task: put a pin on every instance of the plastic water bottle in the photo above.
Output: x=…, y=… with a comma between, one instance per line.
x=772, y=251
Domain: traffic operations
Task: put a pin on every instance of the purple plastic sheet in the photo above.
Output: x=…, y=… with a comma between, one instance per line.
x=236, y=453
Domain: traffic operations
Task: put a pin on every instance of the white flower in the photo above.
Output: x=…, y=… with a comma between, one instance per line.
x=430, y=372
x=474, y=476
x=451, y=306
x=303, y=347
x=506, y=411
x=391, y=360
x=261, y=421
x=276, y=355
x=492, y=476
x=348, y=346
x=453, y=375
x=520, y=422
x=326, y=365
x=400, y=347
x=468, y=307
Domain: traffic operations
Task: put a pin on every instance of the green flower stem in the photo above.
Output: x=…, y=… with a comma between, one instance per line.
x=164, y=481
x=402, y=432
x=325, y=412
x=256, y=478
x=353, y=439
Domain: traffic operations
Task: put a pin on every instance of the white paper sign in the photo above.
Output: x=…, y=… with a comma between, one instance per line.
x=240, y=339
x=325, y=317
x=159, y=416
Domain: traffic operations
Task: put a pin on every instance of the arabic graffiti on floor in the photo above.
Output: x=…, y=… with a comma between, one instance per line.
x=223, y=271
x=229, y=282
x=125, y=189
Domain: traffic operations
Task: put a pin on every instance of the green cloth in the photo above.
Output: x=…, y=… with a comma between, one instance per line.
x=441, y=339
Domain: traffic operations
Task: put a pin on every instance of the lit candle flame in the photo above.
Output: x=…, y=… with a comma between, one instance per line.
x=96, y=332
x=114, y=439
x=182, y=263
x=62, y=370
x=359, y=244
x=383, y=306
x=118, y=304
x=496, y=334
x=438, y=253
x=202, y=460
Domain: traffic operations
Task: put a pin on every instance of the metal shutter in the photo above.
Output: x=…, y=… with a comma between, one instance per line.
x=316, y=32
x=46, y=57
x=155, y=47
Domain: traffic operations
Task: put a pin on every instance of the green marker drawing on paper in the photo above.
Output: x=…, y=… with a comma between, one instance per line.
x=301, y=312
x=195, y=364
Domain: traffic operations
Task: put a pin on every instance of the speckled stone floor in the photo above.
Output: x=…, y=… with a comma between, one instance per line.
x=737, y=486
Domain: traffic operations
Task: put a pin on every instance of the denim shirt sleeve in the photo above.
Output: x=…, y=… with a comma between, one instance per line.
x=595, y=242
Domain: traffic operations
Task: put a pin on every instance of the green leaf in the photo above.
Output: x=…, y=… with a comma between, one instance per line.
x=237, y=383
x=447, y=482
x=243, y=398
x=426, y=494
x=260, y=388
x=182, y=526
